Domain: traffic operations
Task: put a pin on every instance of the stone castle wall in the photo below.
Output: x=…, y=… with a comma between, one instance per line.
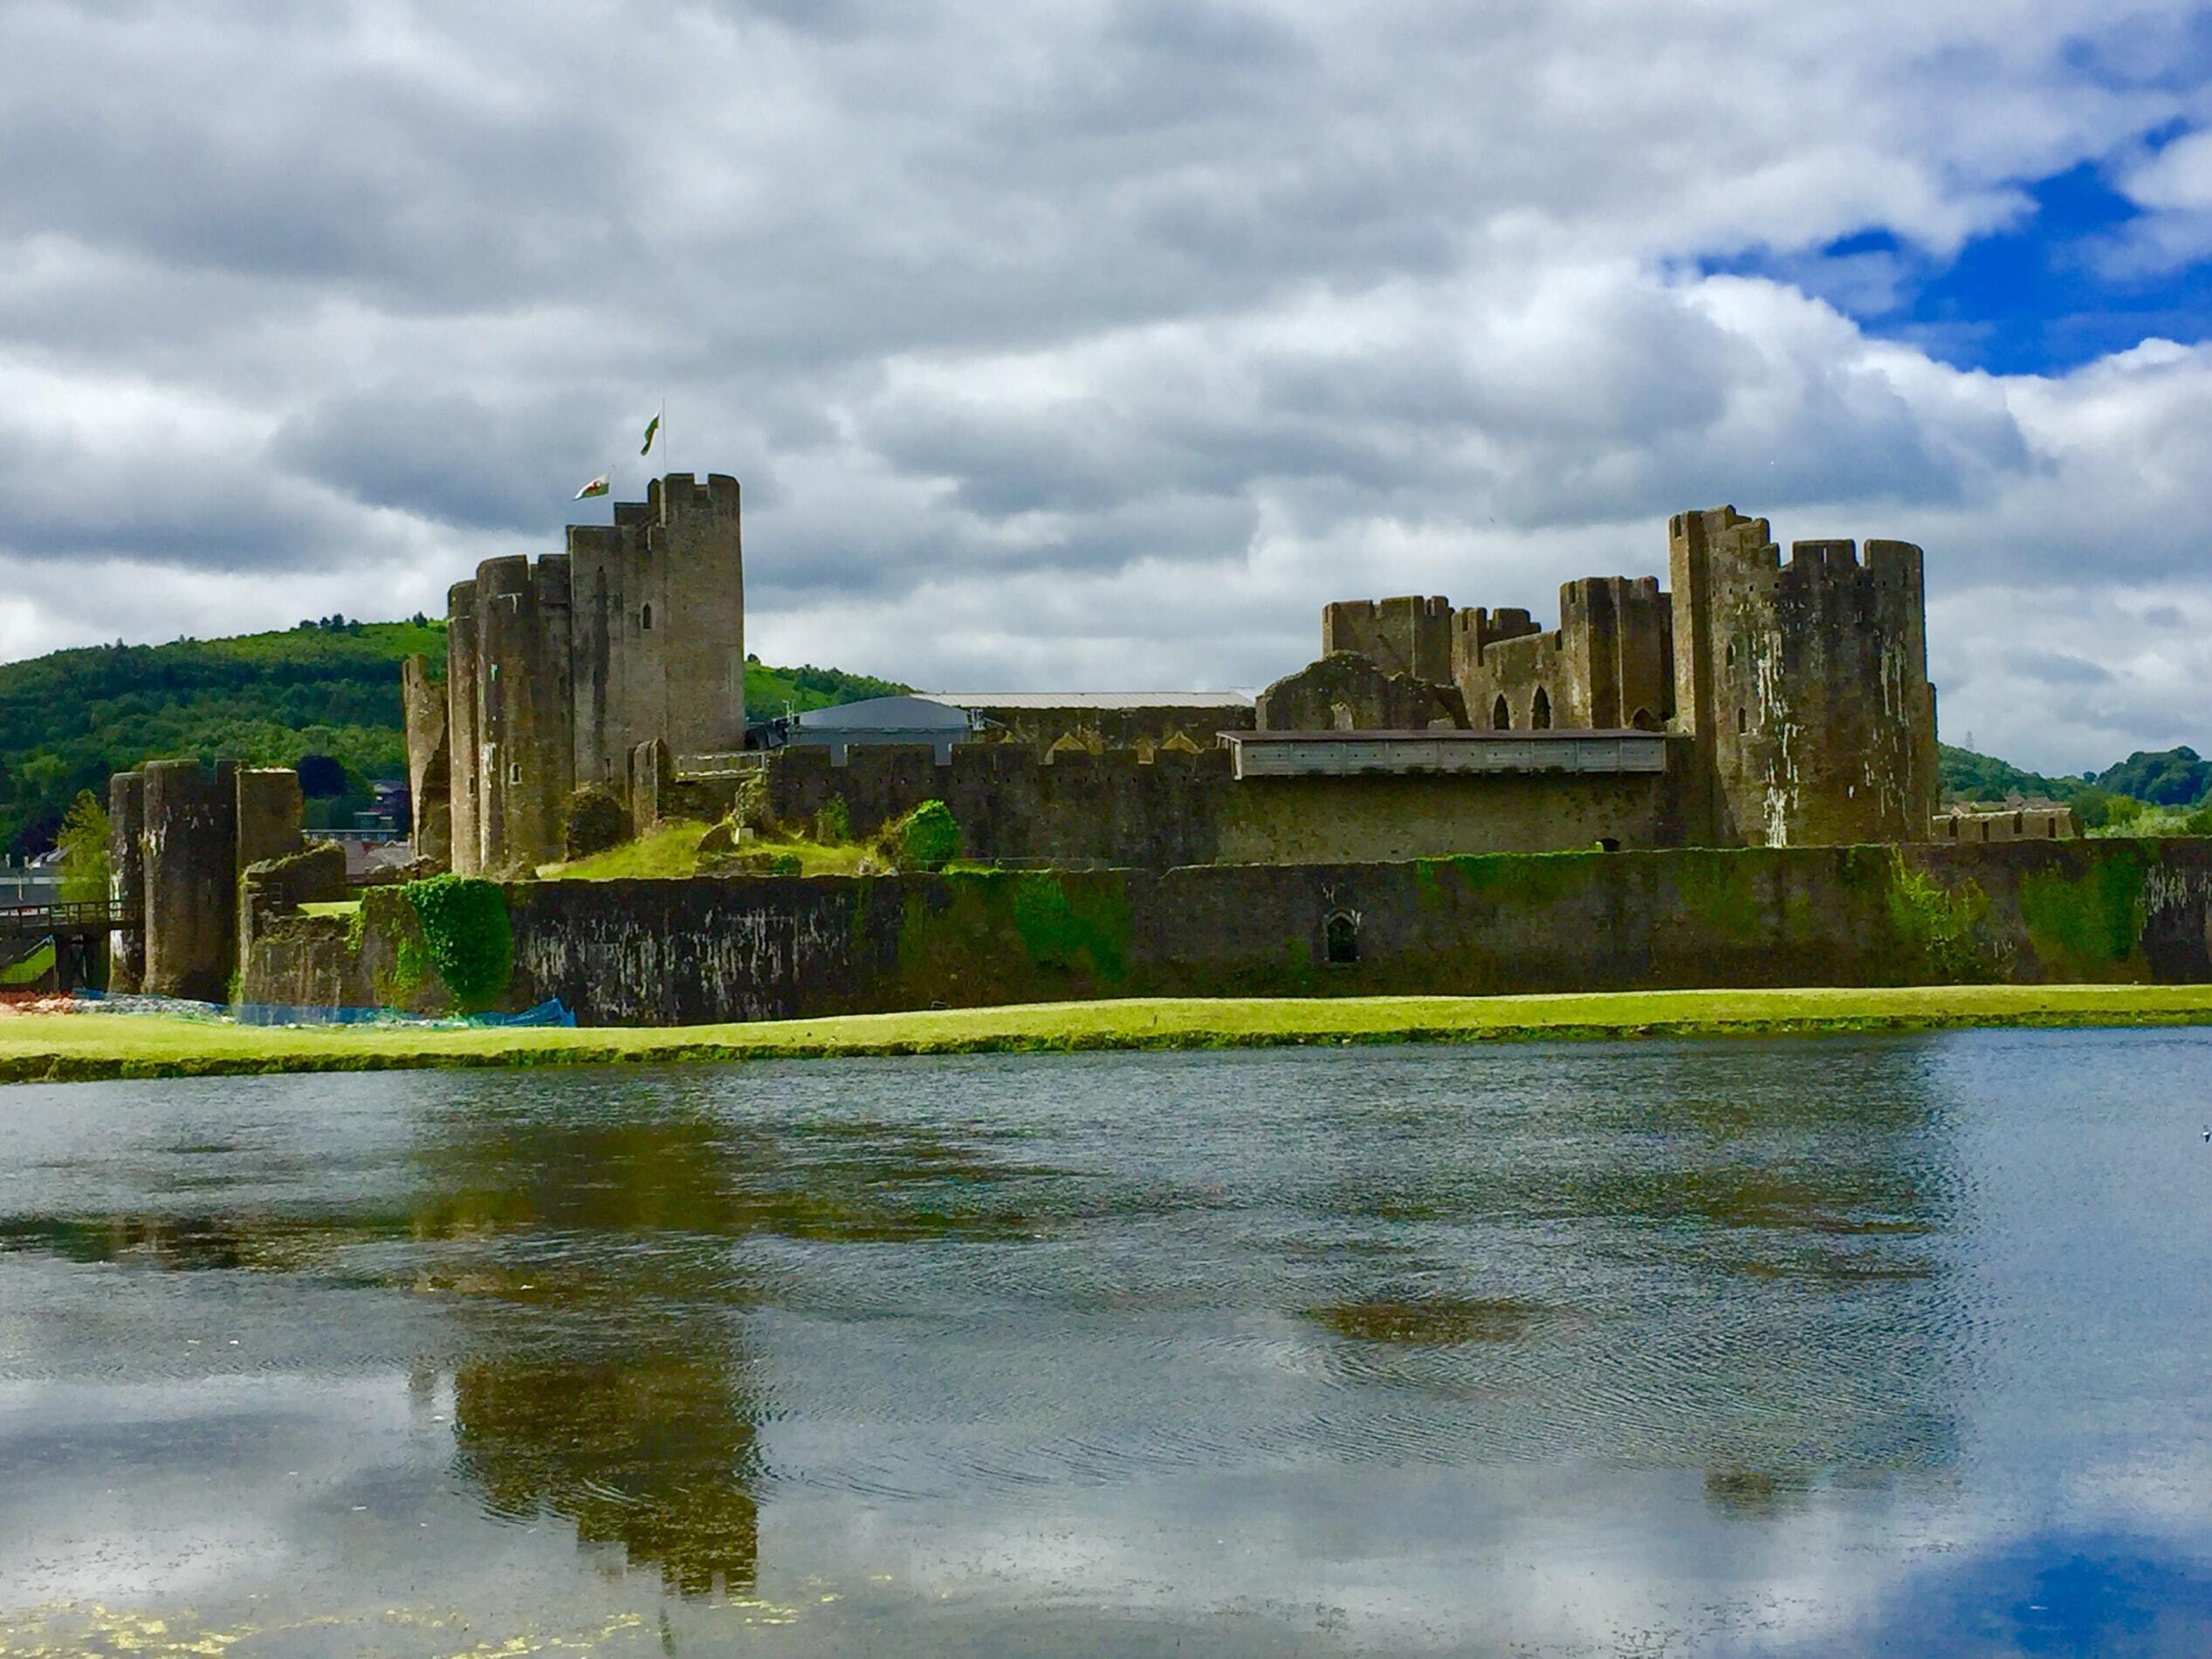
x=665, y=952
x=1609, y=665
x=1407, y=635
x=430, y=761
x=181, y=834
x=558, y=670
x=1185, y=808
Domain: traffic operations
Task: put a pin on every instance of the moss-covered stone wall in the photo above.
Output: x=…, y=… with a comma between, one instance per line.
x=683, y=952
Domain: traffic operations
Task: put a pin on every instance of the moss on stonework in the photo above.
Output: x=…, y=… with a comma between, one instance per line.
x=2079, y=924
x=1527, y=878
x=1088, y=927
x=1945, y=928
x=1719, y=887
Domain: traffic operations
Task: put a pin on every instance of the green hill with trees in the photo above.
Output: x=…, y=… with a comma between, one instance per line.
x=328, y=687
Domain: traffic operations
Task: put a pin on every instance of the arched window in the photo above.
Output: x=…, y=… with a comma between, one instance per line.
x=1540, y=711
x=1501, y=717
x=645, y=617
x=1732, y=653
x=1644, y=720
x=1340, y=934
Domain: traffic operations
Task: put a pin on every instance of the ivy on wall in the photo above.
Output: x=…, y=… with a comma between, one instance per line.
x=467, y=936
x=1949, y=929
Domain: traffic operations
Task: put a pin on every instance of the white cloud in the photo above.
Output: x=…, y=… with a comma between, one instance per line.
x=1063, y=327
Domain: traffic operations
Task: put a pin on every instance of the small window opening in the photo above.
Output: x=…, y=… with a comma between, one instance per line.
x=1644, y=720
x=645, y=617
x=495, y=671
x=1740, y=723
x=1609, y=843
x=1540, y=711
x=1732, y=653
x=1501, y=717
x=1341, y=934
x=514, y=771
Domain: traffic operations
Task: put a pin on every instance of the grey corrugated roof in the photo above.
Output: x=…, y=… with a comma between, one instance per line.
x=1090, y=699
x=886, y=714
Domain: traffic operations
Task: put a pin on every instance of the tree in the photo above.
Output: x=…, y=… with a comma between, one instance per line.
x=321, y=776
x=83, y=841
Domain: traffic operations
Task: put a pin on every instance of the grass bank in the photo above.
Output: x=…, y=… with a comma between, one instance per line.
x=74, y=1047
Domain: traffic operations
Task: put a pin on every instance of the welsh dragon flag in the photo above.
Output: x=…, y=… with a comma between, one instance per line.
x=597, y=487
x=651, y=427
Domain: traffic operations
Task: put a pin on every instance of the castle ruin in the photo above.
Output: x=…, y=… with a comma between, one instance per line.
x=557, y=670
x=1802, y=687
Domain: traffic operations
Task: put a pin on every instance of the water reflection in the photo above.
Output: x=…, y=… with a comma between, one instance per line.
x=1488, y=1296
x=606, y=1376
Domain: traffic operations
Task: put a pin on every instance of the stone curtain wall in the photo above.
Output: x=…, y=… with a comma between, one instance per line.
x=1117, y=809
x=685, y=952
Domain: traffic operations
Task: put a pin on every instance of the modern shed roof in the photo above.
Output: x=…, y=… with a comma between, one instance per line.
x=886, y=714
x=1091, y=699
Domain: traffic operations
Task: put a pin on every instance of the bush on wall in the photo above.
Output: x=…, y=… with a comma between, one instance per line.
x=926, y=839
x=466, y=932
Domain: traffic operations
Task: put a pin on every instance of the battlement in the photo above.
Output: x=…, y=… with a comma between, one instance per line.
x=1408, y=634
x=680, y=494
x=1588, y=593
x=1724, y=534
x=502, y=578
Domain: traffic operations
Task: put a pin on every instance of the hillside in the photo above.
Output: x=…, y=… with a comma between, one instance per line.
x=331, y=687
x=1970, y=777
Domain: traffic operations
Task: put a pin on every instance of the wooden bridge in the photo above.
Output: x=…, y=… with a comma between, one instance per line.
x=87, y=919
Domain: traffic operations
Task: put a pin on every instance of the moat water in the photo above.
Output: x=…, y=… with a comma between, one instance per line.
x=1820, y=1346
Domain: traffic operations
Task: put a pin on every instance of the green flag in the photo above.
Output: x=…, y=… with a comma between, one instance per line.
x=652, y=426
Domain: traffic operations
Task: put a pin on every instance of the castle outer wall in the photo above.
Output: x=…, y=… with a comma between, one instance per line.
x=670, y=952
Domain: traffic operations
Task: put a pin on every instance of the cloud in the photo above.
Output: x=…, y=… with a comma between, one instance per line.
x=1066, y=327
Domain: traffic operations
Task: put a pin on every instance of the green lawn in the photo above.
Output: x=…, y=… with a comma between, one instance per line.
x=83, y=1047
x=670, y=852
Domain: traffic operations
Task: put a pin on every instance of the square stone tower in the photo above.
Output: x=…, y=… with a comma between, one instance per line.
x=556, y=669
x=1804, y=683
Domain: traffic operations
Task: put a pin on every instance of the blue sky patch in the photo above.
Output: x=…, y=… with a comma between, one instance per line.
x=2035, y=298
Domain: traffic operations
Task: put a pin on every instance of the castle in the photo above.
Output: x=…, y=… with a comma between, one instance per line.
x=557, y=671
x=1754, y=699
x=1802, y=686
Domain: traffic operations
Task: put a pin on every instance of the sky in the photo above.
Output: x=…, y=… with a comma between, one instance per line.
x=1097, y=345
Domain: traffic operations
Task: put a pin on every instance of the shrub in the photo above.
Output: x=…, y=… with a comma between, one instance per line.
x=466, y=932
x=834, y=824
x=926, y=839
x=593, y=820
